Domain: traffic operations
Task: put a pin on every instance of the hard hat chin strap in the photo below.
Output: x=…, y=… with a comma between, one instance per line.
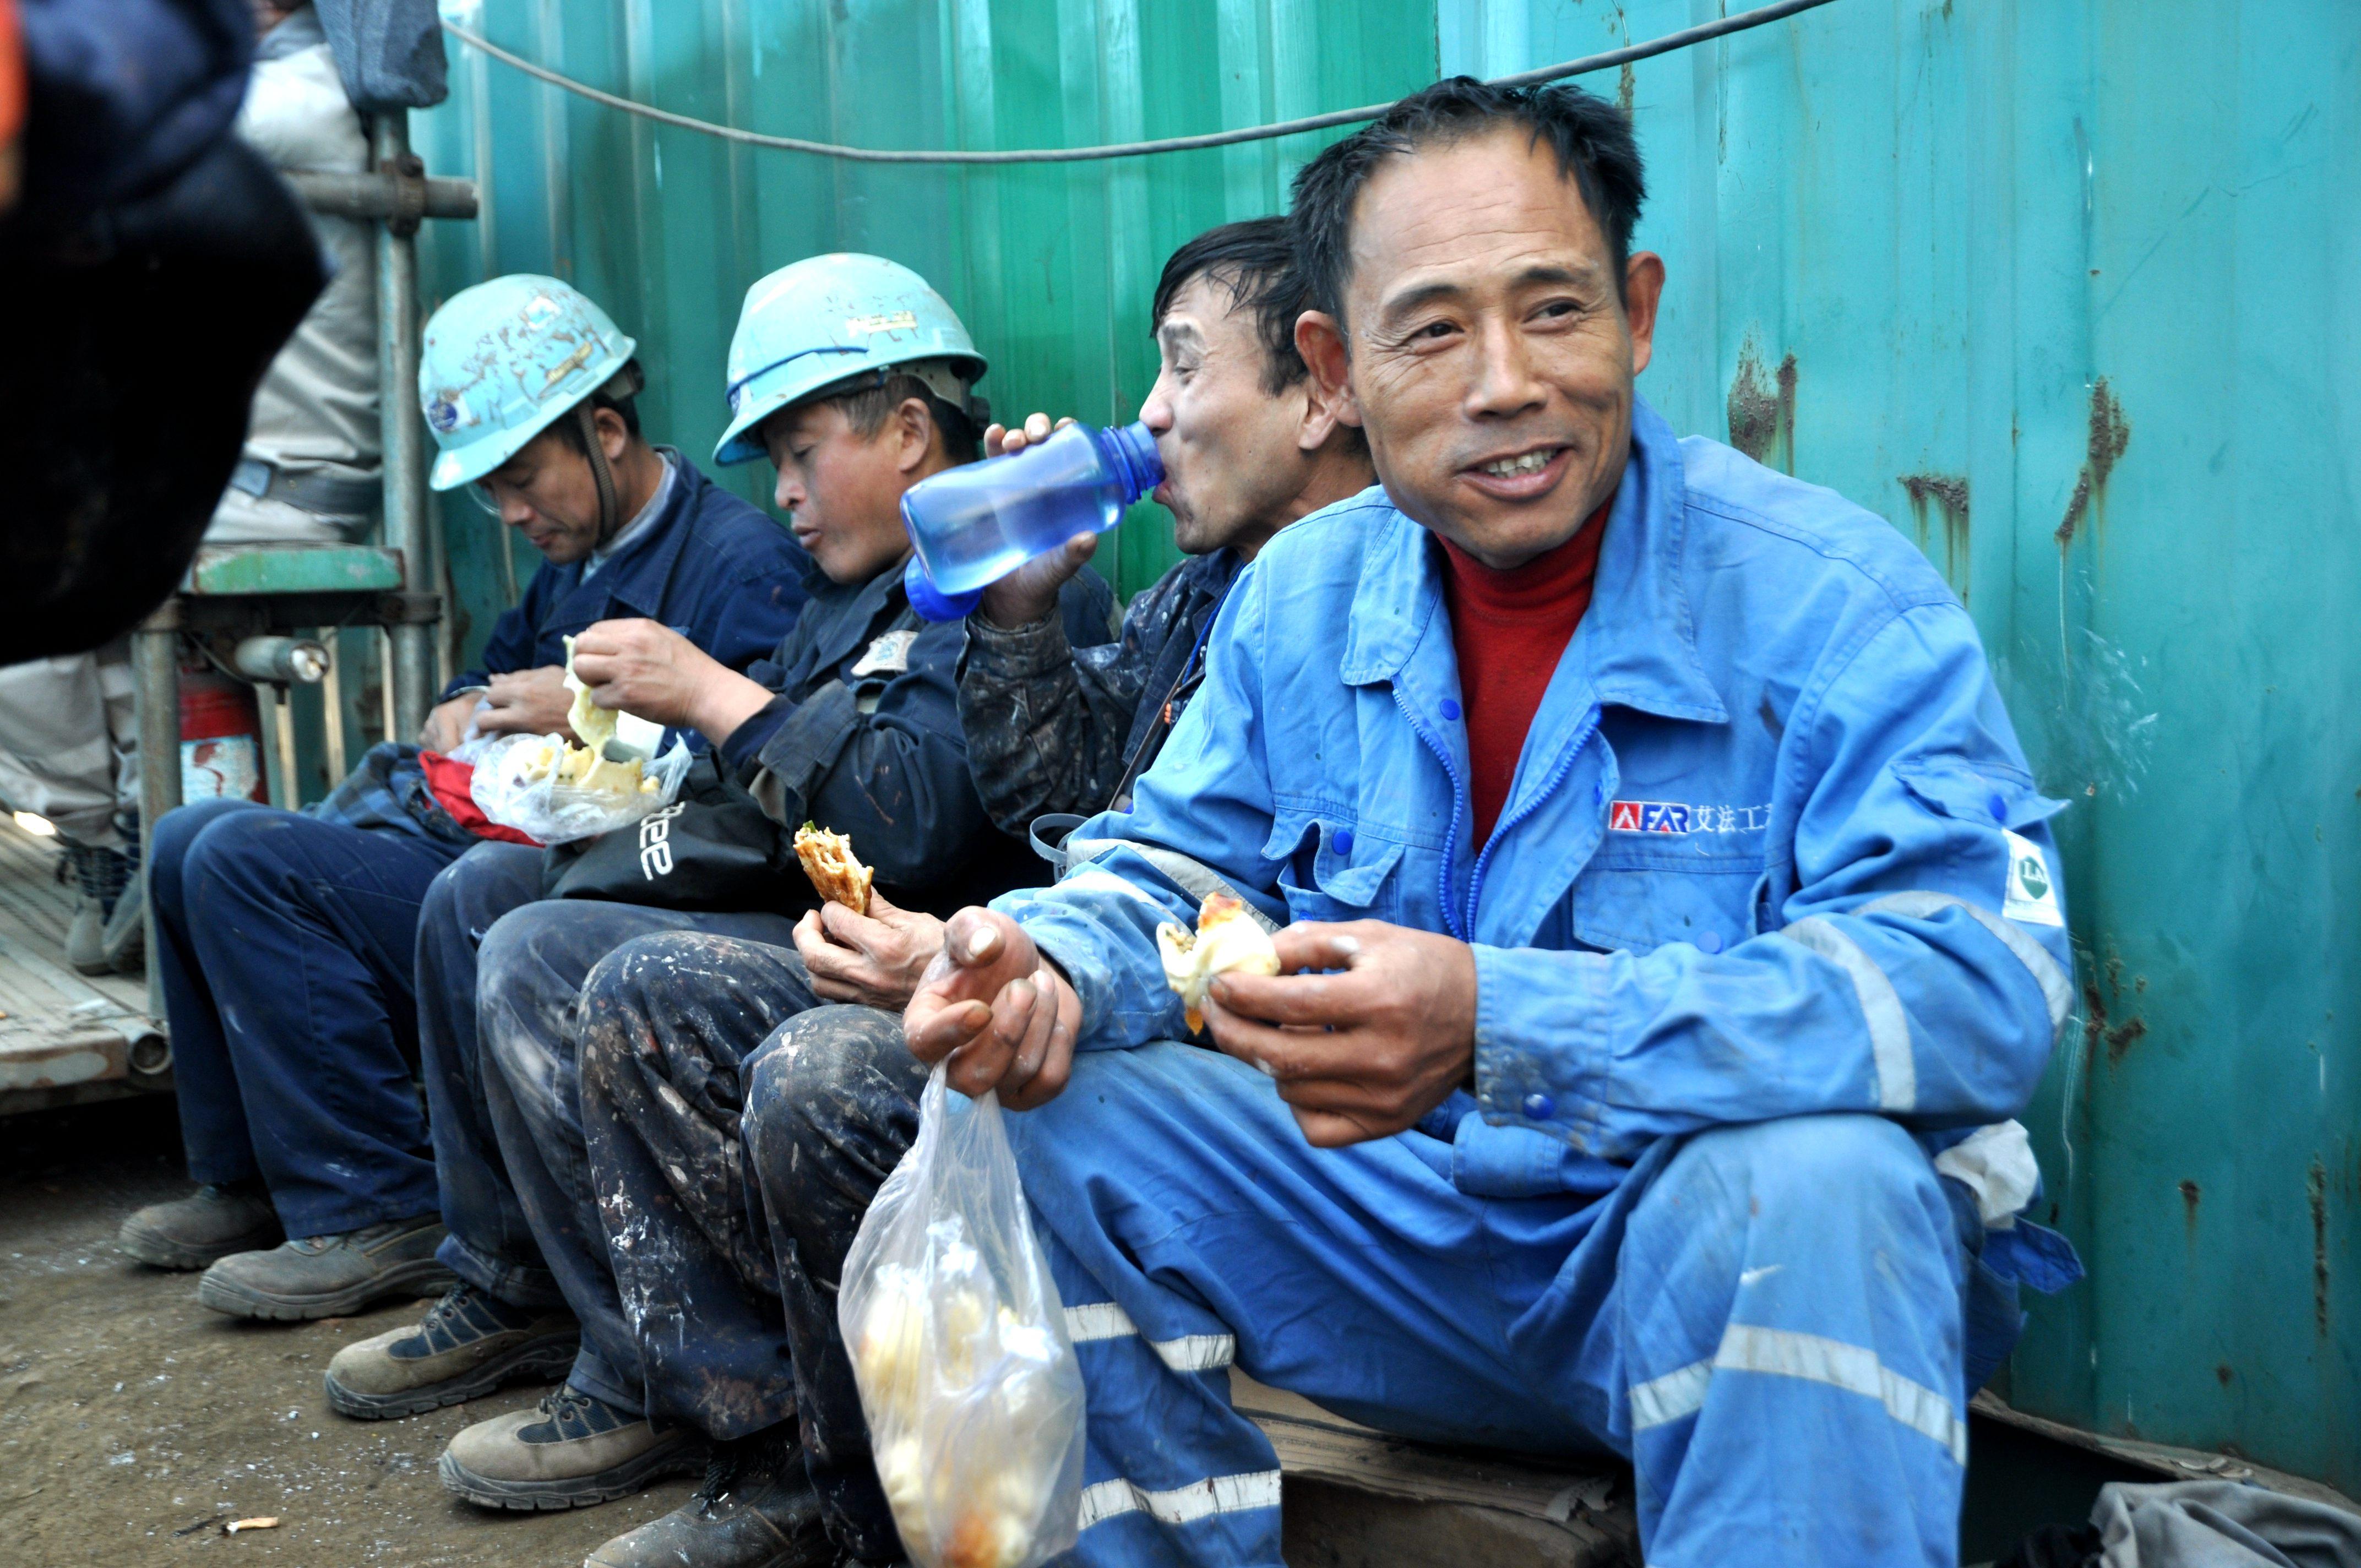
x=600, y=473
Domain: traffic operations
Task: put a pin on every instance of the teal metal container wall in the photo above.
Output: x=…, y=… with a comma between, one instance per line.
x=2067, y=289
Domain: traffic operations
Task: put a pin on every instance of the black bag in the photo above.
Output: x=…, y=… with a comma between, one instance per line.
x=712, y=849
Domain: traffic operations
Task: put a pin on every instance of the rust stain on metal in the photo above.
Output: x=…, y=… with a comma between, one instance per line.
x=2124, y=1037
x=2110, y=435
x=2315, y=1185
x=2222, y=1375
x=2190, y=1194
x=1945, y=495
x=1763, y=411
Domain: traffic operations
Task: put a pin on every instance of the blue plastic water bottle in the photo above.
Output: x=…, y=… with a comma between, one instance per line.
x=976, y=523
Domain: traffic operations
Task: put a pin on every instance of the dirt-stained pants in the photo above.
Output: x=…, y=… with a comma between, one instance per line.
x=736, y=1128
x=514, y=1074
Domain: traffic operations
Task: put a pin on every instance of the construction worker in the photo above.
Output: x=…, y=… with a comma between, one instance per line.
x=286, y=938
x=308, y=474
x=854, y=376
x=1249, y=446
x=1664, y=905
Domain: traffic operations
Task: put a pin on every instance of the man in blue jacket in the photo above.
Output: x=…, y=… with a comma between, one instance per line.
x=853, y=377
x=1637, y=1002
x=286, y=937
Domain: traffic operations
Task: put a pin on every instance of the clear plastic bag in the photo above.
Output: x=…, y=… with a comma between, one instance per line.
x=516, y=786
x=974, y=1395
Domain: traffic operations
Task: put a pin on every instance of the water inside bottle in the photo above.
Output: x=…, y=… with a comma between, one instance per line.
x=974, y=524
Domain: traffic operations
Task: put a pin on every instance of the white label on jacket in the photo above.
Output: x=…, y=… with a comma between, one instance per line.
x=2032, y=894
x=890, y=654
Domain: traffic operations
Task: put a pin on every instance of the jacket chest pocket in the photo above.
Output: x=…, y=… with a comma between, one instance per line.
x=1330, y=869
x=1639, y=908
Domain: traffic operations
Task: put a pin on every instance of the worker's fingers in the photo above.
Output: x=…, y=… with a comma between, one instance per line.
x=1284, y=1054
x=1037, y=428
x=856, y=931
x=934, y=1029
x=1312, y=999
x=1057, y=1061
x=1318, y=945
x=1076, y=552
x=1334, y=1130
x=1034, y=1049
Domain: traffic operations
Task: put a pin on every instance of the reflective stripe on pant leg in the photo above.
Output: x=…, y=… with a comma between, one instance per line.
x=1780, y=1353
x=1170, y=1472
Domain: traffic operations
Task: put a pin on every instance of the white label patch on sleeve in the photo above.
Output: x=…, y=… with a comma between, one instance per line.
x=2032, y=894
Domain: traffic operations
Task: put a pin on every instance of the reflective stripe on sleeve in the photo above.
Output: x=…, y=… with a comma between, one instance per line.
x=1190, y=1353
x=2057, y=990
x=1889, y=1028
x=1182, y=1504
x=1781, y=1353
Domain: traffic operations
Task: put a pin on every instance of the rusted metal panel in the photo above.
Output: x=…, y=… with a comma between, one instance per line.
x=2066, y=290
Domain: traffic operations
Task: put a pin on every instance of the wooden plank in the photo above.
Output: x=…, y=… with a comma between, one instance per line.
x=1414, y=1496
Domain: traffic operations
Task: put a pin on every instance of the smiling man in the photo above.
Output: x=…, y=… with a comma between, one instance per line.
x=1648, y=853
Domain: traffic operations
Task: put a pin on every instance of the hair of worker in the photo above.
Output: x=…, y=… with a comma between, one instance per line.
x=1254, y=261
x=869, y=402
x=1590, y=137
x=619, y=392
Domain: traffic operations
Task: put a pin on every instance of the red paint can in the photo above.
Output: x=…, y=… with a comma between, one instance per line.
x=221, y=737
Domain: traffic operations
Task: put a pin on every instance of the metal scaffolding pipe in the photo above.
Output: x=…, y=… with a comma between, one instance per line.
x=407, y=524
x=156, y=677
x=377, y=196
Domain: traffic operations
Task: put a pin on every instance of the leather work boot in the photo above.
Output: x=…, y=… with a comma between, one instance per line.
x=467, y=1344
x=756, y=1509
x=327, y=1276
x=573, y=1452
x=211, y=1223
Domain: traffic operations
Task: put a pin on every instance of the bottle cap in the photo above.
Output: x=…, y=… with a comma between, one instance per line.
x=930, y=602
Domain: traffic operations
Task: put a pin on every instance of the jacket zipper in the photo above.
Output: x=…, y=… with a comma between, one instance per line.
x=1557, y=776
x=1443, y=900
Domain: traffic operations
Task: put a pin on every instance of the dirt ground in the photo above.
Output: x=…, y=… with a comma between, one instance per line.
x=134, y=1423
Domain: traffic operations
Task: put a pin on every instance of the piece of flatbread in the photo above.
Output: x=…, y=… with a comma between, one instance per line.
x=834, y=870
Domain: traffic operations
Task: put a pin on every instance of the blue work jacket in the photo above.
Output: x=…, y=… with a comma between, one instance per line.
x=710, y=566
x=1770, y=848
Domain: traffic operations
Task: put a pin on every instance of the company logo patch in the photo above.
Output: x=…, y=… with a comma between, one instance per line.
x=2032, y=891
x=1681, y=817
x=442, y=414
x=896, y=321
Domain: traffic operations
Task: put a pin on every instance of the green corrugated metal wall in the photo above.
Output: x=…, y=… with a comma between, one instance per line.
x=2064, y=288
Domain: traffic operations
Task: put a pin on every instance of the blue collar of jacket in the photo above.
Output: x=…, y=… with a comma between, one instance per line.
x=1637, y=638
x=634, y=577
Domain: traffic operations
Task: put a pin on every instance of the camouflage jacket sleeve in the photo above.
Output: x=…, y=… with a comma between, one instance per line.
x=1046, y=722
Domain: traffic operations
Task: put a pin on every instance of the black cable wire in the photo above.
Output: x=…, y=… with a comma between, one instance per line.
x=1702, y=33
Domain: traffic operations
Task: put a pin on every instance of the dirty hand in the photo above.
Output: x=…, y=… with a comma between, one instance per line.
x=447, y=722
x=1031, y=592
x=646, y=668
x=1363, y=1054
x=1002, y=1013
x=875, y=958
x=527, y=702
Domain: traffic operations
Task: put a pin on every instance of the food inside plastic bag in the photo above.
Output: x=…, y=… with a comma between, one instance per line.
x=973, y=1394
x=547, y=787
x=1227, y=938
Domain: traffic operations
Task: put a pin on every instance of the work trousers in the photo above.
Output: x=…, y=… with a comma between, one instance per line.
x=69, y=744
x=283, y=950
x=505, y=1093
x=738, y=1128
x=1765, y=1319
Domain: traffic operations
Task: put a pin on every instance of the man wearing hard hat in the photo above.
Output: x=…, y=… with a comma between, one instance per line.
x=853, y=376
x=285, y=939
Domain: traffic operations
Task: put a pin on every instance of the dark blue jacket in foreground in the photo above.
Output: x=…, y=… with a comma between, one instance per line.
x=865, y=738
x=711, y=567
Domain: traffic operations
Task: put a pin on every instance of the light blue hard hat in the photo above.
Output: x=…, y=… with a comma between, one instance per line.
x=503, y=359
x=827, y=318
